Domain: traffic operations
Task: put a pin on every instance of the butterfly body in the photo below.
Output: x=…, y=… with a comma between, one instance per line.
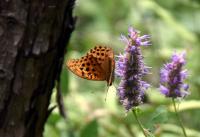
x=98, y=64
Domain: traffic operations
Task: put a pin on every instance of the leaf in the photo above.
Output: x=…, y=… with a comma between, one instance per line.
x=64, y=81
x=53, y=118
x=160, y=115
x=186, y=105
x=90, y=130
x=177, y=130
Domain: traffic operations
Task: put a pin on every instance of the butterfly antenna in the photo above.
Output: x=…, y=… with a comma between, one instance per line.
x=106, y=93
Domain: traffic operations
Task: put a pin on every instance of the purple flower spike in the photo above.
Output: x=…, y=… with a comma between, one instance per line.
x=172, y=77
x=131, y=68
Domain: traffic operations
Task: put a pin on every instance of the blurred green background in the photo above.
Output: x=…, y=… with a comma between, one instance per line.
x=173, y=26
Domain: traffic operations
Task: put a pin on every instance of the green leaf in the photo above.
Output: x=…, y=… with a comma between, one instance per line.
x=160, y=115
x=64, y=80
x=186, y=105
x=53, y=118
x=90, y=130
x=177, y=130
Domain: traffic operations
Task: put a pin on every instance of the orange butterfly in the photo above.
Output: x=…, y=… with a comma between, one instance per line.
x=98, y=64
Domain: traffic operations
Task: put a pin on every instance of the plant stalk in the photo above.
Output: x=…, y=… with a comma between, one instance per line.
x=139, y=123
x=178, y=117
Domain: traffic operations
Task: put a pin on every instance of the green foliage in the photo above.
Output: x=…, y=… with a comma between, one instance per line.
x=173, y=26
x=64, y=79
x=159, y=116
x=90, y=130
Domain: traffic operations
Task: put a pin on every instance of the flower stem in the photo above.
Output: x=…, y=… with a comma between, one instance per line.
x=178, y=117
x=139, y=123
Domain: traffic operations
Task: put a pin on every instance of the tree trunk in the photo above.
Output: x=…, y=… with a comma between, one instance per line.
x=33, y=38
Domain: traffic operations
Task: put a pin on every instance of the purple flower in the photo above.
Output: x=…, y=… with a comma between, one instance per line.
x=131, y=68
x=172, y=76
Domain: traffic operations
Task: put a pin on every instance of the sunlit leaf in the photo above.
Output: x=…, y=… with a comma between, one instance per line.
x=186, y=105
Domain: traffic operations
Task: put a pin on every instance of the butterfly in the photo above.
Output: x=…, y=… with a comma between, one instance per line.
x=98, y=64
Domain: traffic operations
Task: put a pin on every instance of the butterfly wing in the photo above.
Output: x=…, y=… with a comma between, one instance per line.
x=105, y=57
x=101, y=53
x=87, y=67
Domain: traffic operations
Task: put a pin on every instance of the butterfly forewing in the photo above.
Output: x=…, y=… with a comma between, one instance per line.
x=86, y=67
x=98, y=64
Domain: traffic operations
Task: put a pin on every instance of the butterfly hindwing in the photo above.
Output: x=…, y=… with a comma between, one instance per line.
x=105, y=57
x=101, y=53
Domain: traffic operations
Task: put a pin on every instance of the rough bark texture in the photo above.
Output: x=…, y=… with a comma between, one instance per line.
x=33, y=38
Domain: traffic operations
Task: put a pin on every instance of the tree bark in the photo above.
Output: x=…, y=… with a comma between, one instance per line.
x=33, y=38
